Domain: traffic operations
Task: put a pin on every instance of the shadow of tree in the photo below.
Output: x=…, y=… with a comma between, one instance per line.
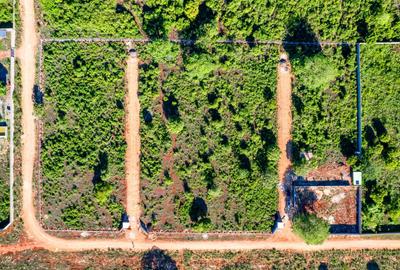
x=3, y=74
x=37, y=95
x=157, y=259
x=198, y=209
x=323, y=266
x=101, y=167
x=196, y=28
x=299, y=30
x=372, y=265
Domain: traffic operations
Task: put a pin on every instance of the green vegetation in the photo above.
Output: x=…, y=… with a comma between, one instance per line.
x=158, y=259
x=312, y=229
x=324, y=105
x=4, y=147
x=208, y=136
x=238, y=19
x=381, y=137
x=6, y=10
x=83, y=146
x=77, y=18
x=4, y=201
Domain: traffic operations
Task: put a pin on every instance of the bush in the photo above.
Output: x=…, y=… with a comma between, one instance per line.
x=208, y=137
x=312, y=229
x=83, y=146
x=380, y=162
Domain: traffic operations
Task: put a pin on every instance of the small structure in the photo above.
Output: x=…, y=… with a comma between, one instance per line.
x=279, y=224
x=132, y=53
x=3, y=130
x=357, y=178
x=306, y=155
x=3, y=34
x=125, y=222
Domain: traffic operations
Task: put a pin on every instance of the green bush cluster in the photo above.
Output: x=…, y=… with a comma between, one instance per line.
x=312, y=229
x=237, y=19
x=4, y=201
x=380, y=163
x=77, y=18
x=324, y=105
x=6, y=10
x=83, y=146
x=208, y=132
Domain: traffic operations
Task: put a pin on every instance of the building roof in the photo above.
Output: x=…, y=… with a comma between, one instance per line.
x=3, y=131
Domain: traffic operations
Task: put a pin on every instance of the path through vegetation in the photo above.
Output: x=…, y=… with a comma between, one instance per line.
x=284, y=118
x=132, y=158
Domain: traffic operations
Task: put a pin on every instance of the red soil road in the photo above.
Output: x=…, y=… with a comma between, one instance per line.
x=42, y=239
x=284, y=119
x=132, y=136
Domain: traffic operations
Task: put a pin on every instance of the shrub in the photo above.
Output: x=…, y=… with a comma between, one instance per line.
x=312, y=229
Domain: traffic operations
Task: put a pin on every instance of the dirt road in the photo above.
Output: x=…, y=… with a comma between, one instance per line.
x=284, y=119
x=27, y=61
x=132, y=157
x=41, y=239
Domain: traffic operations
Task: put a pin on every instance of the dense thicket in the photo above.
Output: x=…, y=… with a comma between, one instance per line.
x=324, y=105
x=208, y=134
x=89, y=18
x=83, y=145
x=381, y=136
x=238, y=19
x=6, y=10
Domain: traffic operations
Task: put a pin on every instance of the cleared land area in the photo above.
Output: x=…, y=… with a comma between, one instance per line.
x=76, y=18
x=380, y=69
x=324, y=110
x=208, y=134
x=83, y=145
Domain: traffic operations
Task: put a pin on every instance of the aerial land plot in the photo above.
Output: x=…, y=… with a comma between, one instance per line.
x=208, y=137
x=94, y=18
x=234, y=19
x=83, y=146
x=380, y=69
x=4, y=129
x=324, y=111
x=335, y=204
x=6, y=11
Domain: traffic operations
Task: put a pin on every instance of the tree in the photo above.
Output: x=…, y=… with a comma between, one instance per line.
x=312, y=229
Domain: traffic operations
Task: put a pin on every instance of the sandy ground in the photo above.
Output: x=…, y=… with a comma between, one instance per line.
x=132, y=136
x=41, y=239
x=27, y=61
x=5, y=54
